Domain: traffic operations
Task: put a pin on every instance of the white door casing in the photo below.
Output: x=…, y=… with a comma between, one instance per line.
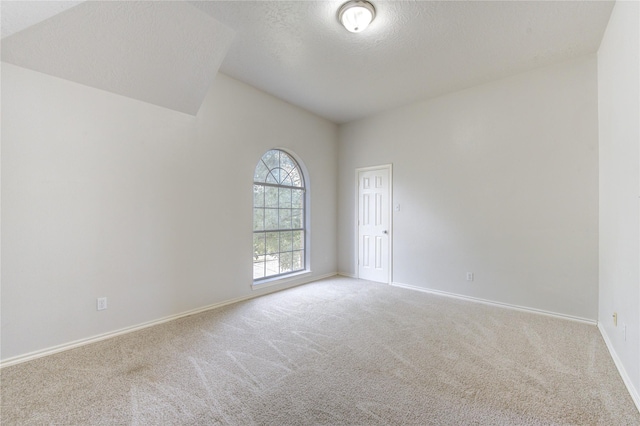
x=374, y=223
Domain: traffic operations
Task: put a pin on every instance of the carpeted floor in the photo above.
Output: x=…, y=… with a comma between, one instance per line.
x=338, y=351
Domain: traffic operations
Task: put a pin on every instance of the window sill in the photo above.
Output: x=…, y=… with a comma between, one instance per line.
x=268, y=282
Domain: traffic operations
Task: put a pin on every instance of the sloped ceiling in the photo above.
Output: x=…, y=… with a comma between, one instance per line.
x=168, y=52
x=164, y=53
x=18, y=15
x=412, y=50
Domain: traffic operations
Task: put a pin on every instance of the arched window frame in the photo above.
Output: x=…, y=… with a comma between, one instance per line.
x=285, y=175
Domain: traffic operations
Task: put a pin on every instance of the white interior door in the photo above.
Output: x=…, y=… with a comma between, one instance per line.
x=374, y=232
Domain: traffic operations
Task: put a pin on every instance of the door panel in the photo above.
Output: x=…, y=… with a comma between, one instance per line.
x=374, y=222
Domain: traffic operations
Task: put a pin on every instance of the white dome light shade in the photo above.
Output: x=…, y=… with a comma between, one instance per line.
x=356, y=15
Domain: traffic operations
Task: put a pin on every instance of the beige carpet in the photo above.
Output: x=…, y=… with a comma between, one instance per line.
x=338, y=351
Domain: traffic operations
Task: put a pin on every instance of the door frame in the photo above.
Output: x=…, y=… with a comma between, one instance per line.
x=356, y=238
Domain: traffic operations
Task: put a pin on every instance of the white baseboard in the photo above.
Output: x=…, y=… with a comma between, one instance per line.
x=498, y=304
x=81, y=342
x=623, y=373
x=635, y=395
x=347, y=274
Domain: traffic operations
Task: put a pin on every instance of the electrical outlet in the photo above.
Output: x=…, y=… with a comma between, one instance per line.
x=469, y=276
x=102, y=303
x=615, y=319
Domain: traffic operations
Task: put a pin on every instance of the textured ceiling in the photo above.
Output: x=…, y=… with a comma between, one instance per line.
x=164, y=53
x=298, y=51
x=18, y=15
x=413, y=49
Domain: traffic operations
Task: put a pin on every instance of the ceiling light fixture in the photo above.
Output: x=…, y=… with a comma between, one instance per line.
x=356, y=15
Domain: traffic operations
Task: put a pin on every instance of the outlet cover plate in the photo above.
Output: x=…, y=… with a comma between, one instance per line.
x=102, y=303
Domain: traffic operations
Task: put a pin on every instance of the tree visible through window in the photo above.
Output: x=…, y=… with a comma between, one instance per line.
x=278, y=216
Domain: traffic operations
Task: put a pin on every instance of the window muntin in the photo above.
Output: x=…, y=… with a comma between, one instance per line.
x=279, y=232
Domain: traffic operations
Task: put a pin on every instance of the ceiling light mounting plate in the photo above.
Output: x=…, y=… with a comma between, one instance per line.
x=356, y=15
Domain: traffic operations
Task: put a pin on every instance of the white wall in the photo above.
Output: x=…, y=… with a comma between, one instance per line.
x=500, y=180
x=619, y=115
x=107, y=196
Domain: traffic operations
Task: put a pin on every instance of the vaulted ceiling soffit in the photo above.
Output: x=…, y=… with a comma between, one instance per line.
x=163, y=53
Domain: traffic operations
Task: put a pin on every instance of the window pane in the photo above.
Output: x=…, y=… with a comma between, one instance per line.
x=286, y=241
x=272, y=266
x=258, y=195
x=271, y=196
x=272, y=179
x=296, y=218
x=278, y=174
x=273, y=243
x=285, y=262
x=258, y=270
x=259, y=245
x=270, y=219
x=296, y=180
x=286, y=162
x=285, y=219
x=261, y=172
x=272, y=158
x=285, y=198
x=297, y=260
x=297, y=198
x=298, y=240
x=287, y=181
x=258, y=219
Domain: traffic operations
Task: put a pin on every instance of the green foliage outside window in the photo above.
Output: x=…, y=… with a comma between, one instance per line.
x=278, y=216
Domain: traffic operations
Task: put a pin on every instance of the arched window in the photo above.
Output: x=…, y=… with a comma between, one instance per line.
x=279, y=232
